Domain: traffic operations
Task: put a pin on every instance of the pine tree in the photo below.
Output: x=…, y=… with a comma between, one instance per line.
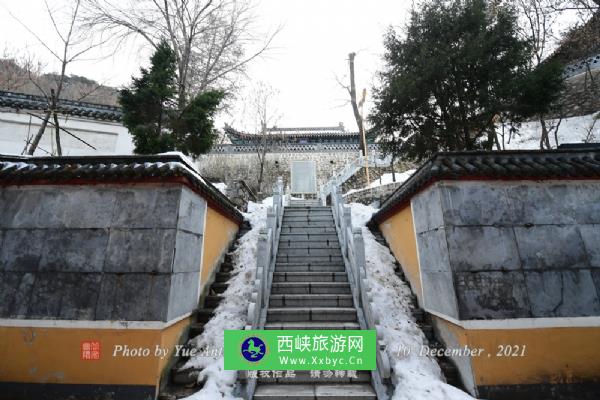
x=150, y=110
x=460, y=67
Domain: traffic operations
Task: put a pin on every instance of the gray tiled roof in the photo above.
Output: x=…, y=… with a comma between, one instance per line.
x=500, y=165
x=16, y=170
x=68, y=107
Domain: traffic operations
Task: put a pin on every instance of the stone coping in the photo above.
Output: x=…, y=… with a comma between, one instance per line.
x=70, y=107
x=494, y=165
x=20, y=170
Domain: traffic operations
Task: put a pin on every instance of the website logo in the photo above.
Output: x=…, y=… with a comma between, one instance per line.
x=253, y=349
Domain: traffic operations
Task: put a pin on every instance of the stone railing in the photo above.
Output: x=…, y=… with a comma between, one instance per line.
x=266, y=254
x=350, y=169
x=353, y=251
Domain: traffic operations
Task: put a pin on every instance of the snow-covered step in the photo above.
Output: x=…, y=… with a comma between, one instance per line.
x=310, y=276
x=309, y=325
x=310, y=288
x=357, y=391
x=304, y=267
x=311, y=300
x=290, y=314
x=306, y=377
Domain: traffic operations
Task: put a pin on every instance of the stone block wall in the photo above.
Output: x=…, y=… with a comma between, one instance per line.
x=100, y=252
x=245, y=166
x=500, y=250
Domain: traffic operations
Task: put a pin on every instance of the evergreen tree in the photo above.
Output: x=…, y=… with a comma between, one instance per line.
x=459, y=68
x=150, y=110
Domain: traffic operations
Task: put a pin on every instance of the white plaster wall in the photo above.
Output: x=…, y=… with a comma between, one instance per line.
x=106, y=136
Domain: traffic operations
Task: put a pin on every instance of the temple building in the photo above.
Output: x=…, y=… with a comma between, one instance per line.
x=330, y=148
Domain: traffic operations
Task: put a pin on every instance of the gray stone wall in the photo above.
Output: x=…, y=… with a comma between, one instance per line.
x=100, y=252
x=245, y=166
x=581, y=95
x=495, y=250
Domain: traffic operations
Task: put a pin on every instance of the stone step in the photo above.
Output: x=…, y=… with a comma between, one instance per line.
x=305, y=377
x=308, y=217
x=310, y=288
x=427, y=331
x=295, y=212
x=312, y=244
x=310, y=325
x=308, y=237
x=218, y=287
x=311, y=300
x=176, y=393
x=196, y=329
x=301, y=267
x=306, y=224
x=310, y=252
x=328, y=314
x=357, y=391
x=287, y=258
x=212, y=301
x=310, y=276
x=226, y=267
x=419, y=315
x=222, y=276
x=188, y=376
x=204, y=314
x=308, y=229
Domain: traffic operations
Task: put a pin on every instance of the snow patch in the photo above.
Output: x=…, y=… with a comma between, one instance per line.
x=385, y=179
x=570, y=130
x=231, y=312
x=415, y=377
x=221, y=186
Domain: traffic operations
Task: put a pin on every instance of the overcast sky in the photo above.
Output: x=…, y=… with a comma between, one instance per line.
x=308, y=53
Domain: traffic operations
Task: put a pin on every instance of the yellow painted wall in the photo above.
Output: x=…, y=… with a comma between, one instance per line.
x=551, y=355
x=399, y=232
x=218, y=233
x=53, y=355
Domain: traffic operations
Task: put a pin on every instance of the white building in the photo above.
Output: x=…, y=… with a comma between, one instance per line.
x=95, y=124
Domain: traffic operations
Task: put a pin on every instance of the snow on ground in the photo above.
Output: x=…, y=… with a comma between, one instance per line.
x=386, y=179
x=221, y=186
x=415, y=377
x=570, y=130
x=231, y=312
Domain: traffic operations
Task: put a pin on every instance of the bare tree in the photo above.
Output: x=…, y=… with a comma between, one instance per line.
x=583, y=7
x=356, y=104
x=75, y=42
x=539, y=27
x=262, y=99
x=211, y=38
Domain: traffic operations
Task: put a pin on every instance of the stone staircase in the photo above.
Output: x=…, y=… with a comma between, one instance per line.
x=180, y=383
x=424, y=322
x=310, y=290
